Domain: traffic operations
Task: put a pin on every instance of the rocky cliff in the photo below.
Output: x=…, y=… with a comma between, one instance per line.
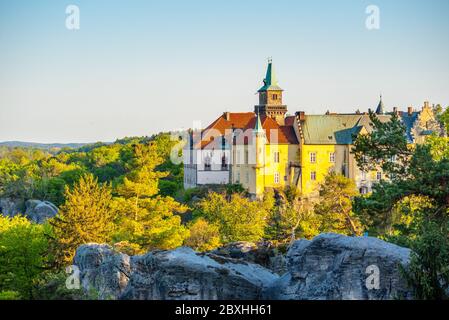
x=336, y=267
x=328, y=267
x=180, y=274
x=36, y=210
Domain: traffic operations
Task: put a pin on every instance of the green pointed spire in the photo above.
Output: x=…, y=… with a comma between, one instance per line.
x=258, y=126
x=270, y=82
x=380, y=108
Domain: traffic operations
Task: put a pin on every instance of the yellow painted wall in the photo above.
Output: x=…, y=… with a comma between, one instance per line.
x=266, y=175
x=322, y=166
x=262, y=177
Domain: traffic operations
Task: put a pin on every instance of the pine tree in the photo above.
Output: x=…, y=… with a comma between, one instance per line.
x=145, y=218
x=421, y=172
x=85, y=217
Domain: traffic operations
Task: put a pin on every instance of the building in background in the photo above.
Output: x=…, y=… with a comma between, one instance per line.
x=268, y=148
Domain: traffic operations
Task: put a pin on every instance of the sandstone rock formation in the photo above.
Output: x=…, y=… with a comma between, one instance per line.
x=8, y=207
x=104, y=273
x=39, y=211
x=179, y=274
x=36, y=210
x=262, y=253
x=330, y=266
x=336, y=267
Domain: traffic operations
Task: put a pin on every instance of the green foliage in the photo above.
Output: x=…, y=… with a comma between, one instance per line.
x=428, y=272
x=412, y=207
x=238, y=218
x=424, y=173
x=443, y=118
x=144, y=217
x=23, y=252
x=292, y=217
x=203, y=236
x=52, y=286
x=335, y=206
x=386, y=147
x=85, y=217
x=9, y=295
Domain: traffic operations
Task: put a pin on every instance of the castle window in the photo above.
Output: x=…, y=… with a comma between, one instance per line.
x=207, y=164
x=224, y=165
x=313, y=175
x=332, y=157
x=276, y=157
x=275, y=96
x=313, y=157
x=238, y=177
x=247, y=177
x=379, y=176
x=276, y=177
x=363, y=175
x=363, y=190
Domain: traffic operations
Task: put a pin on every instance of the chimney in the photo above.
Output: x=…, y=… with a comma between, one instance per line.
x=301, y=115
x=395, y=110
x=227, y=116
x=410, y=111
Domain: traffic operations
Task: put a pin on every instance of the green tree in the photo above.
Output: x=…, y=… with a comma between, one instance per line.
x=292, y=217
x=145, y=218
x=424, y=175
x=335, y=206
x=238, y=218
x=203, y=236
x=428, y=271
x=86, y=216
x=23, y=256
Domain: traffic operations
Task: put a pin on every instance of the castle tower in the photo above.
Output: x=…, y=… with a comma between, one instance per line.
x=270, y=97
x=259, y=143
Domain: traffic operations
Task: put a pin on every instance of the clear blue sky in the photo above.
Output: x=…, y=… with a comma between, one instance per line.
x=139, y=67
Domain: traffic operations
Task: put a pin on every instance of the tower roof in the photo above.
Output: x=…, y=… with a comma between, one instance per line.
x=258, y=125
x=380, y=108
x=270, y=82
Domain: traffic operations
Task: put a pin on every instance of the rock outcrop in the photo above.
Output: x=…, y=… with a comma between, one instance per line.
x=35, y=210
x=180, y=274
x=331, y=266
x=39, y=211
x=262, y=253
x=336, y=267
x=104, y=273
x=9, y=207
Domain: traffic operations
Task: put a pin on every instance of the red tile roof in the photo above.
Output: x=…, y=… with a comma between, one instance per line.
x=244, y=121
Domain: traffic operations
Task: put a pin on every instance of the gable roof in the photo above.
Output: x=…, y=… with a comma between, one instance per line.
x=336, y=128
x=409, y=121
x=247, y=122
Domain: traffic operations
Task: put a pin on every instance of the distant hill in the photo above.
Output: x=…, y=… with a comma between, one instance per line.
x=44, y=146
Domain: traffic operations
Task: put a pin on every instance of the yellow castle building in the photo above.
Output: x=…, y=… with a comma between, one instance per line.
x=268, y=149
